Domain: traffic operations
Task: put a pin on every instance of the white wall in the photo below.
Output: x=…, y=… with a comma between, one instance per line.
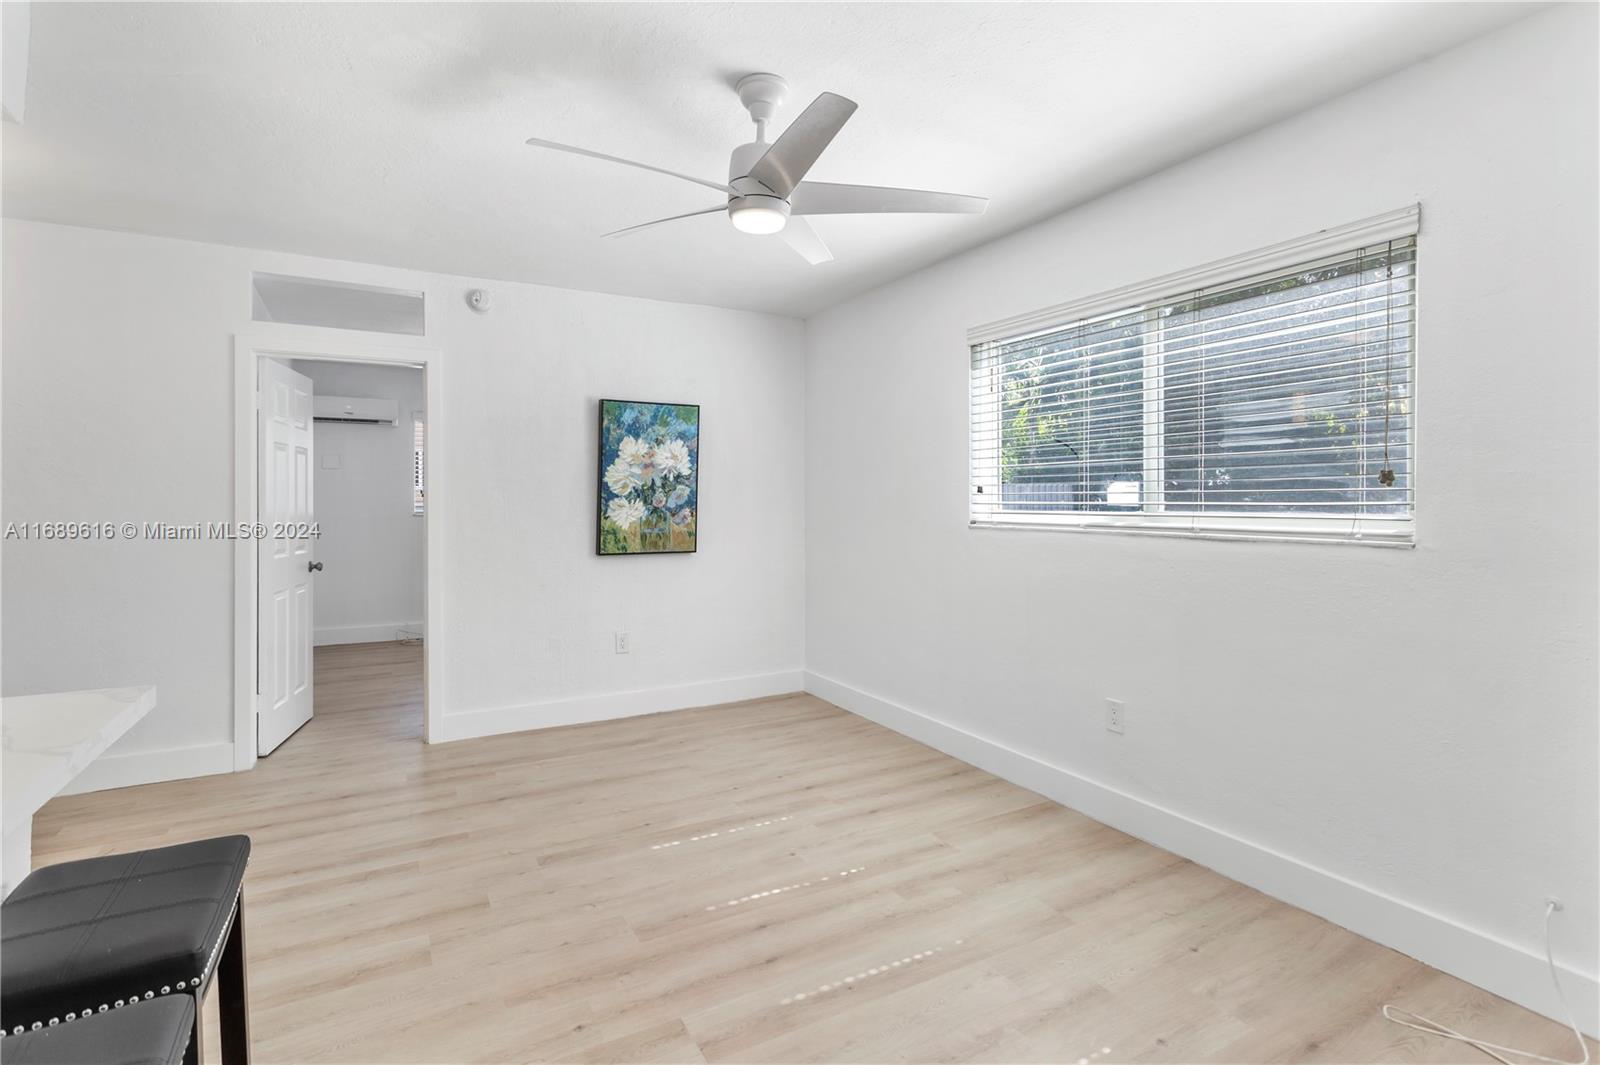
x=118, y=405
x=370, y=538
x=1404, y=741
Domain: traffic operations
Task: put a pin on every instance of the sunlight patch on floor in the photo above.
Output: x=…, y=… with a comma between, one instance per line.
x=787, y=887
x=866, y=974
x=714, y=835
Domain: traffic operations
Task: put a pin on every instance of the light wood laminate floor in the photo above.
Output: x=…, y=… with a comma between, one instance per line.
x=770, y=881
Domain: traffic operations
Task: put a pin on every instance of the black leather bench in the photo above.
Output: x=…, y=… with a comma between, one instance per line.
x=147, y=1033
x=92, y=937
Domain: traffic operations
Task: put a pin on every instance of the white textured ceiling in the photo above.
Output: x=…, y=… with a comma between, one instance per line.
x=392, y=133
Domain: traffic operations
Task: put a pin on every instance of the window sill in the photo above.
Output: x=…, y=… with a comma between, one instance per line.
x=1354, y=532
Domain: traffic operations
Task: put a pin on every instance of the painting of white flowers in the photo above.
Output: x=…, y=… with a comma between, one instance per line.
x=649, y=478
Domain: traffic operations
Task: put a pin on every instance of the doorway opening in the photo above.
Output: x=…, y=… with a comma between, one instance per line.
x=369, y=432
x=337, y=453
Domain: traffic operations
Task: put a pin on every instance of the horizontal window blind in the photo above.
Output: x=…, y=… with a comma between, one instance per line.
x=1277, y=405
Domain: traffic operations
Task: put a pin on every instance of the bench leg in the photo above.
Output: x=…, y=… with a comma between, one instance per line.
x=191, y=1053
x=233, y=994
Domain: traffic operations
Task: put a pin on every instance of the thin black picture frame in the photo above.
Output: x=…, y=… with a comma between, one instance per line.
x=599, y=473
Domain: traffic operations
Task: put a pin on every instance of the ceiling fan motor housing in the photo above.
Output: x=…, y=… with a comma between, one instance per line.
x=753, y=208
x=762, y=95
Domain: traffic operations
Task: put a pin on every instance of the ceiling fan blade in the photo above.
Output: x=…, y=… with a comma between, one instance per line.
x=820, y=197
x=799, y=235
x=537, y=143
x=646, y=225
x=792, y=154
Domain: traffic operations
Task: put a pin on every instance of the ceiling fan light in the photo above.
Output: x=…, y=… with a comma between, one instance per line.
x=761, y=215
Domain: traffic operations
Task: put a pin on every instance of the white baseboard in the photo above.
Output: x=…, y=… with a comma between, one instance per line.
x=1503, y=968
x=586, y=708
x=361, y=633
x=114, y=770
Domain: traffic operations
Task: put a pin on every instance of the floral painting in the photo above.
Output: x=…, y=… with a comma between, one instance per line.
x=649, y=477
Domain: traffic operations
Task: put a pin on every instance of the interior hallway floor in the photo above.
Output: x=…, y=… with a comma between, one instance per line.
x=770, y=881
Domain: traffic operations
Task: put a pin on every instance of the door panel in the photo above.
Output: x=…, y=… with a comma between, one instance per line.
x=285, y=581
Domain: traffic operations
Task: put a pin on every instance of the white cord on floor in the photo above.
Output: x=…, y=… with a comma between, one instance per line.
x=1494, y=1050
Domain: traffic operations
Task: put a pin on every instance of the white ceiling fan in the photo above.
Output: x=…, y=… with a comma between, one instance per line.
x=766, y=189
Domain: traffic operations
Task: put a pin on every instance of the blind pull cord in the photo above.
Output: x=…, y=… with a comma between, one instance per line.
x=1386, y=475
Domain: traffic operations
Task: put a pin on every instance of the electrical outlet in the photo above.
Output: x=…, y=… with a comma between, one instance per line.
x=1114, y=716
x=623, y=646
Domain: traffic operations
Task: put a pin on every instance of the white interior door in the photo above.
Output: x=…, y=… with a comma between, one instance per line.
x=285, y=561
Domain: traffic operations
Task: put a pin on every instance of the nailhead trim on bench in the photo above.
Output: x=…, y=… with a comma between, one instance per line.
x=194, y=985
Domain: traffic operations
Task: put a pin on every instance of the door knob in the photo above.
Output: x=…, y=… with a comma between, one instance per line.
x=314, y=567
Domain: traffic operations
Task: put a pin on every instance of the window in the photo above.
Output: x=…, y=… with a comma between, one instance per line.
x=418, y=464
x=1230, y=402
x=339, y=304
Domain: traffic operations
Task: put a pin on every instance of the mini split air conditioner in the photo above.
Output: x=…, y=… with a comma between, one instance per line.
x=355, y=409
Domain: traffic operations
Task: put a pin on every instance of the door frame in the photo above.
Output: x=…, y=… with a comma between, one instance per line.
x=329, y=345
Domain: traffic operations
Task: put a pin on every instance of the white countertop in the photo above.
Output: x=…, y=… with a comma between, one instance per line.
x=46, y=740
